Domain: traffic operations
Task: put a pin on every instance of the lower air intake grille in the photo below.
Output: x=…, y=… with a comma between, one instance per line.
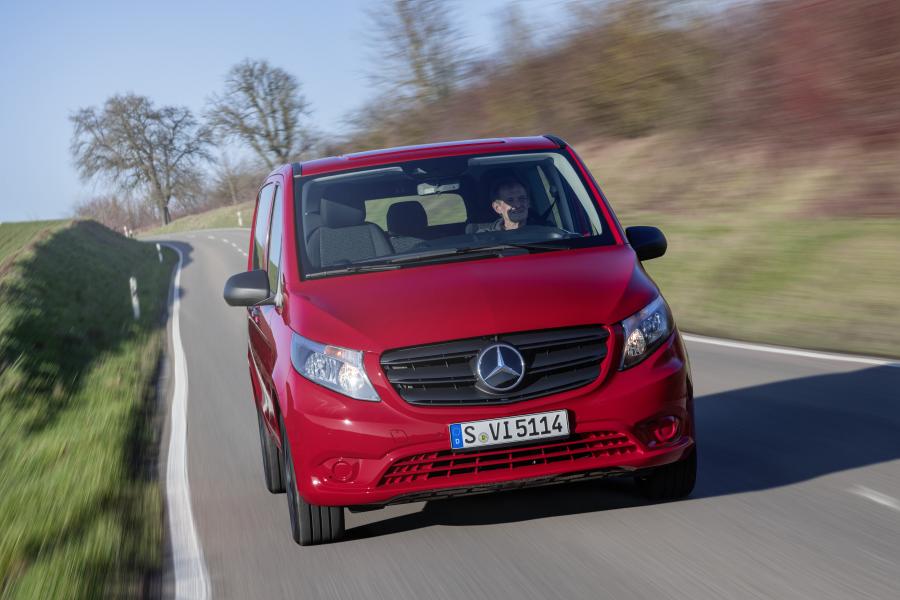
x=446, y=465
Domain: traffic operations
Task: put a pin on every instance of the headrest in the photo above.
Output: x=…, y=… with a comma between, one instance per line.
x=342, y=214
x=406, y=218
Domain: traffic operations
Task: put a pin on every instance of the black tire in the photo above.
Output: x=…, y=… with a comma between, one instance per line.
x=310, y=524
x=271, y=458
x=672, y=481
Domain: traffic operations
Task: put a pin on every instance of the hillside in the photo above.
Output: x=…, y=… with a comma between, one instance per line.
x=80, y=510
x=797, y=249
x=225, y=216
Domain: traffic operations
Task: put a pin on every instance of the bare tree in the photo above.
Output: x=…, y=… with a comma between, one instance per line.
x=139, y=147
x=516, y=34
x=417, y=49
x=235, y=181
x=382, y=121
x=116, y=211
x=262, y=106
x=228, y=177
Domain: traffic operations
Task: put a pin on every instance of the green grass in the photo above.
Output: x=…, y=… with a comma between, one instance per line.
x=790, y=251
x=80, y=508
x=225, y=216
x=830, y=285
x=14, y=236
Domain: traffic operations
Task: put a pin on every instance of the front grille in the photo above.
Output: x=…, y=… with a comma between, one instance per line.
x=447, y=465
x=443, y=374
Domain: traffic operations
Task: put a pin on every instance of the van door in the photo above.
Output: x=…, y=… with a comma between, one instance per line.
x=271, y=315
x=259, y=345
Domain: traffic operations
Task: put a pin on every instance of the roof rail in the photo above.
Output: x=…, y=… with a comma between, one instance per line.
x=296, y=169
x=556, y=140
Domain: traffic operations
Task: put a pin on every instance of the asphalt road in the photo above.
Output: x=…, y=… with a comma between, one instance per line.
x=797, y=492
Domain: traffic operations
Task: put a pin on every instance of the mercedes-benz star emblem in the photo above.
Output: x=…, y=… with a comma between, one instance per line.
x=500, y=367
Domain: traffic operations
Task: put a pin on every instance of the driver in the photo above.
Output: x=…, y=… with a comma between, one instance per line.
x=509, y=199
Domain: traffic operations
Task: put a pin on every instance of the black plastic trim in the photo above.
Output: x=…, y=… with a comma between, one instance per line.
x=248, y=288
x=648, y=242
x=556, y=140
x=502, y=486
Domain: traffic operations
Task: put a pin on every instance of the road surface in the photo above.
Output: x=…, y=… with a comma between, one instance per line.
x=797, y=494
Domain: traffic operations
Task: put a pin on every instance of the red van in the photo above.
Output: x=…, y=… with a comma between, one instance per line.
x=458, y=318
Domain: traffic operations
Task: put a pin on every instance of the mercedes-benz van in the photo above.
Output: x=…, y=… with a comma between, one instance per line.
x=457, y=318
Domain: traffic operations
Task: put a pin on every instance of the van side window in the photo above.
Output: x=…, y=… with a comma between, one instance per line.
x=275, y=241
x=261, y=226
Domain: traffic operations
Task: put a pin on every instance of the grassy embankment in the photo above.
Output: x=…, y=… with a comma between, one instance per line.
x=794, y=249
x=80, y=507
x=225, y=216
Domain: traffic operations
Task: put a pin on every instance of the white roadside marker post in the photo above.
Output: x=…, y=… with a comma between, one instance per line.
x=159, y=253
x=240, y=219
x=125, y=230
x=135, y=303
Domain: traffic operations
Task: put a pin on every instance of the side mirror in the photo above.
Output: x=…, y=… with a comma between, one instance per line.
x=647, y=242
x=250, y=288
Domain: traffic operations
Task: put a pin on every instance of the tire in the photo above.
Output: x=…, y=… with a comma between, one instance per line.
x=310, y=524
x=271, y=458
x=671, y=481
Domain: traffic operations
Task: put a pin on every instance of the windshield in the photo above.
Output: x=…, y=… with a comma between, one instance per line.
x=439, y=210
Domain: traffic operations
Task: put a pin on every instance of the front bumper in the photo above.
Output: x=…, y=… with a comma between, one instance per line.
x=349, y=452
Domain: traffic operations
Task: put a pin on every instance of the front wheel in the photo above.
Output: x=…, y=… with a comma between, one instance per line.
x=672, y=481
x=310, y=524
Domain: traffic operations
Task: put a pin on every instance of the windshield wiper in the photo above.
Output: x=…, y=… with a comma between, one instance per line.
x=449, y=252
x=533, y=245
x=397, y=262
x=357, y=268
x=438, y=253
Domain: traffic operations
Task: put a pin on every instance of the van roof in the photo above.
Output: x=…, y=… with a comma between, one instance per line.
x=425, y=151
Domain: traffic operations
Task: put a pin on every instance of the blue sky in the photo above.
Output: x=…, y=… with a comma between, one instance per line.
x=59, y=56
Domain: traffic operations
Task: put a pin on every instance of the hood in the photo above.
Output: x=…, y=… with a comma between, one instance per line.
x=426, y=304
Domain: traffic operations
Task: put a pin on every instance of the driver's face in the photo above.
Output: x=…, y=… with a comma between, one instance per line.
x=512, y=203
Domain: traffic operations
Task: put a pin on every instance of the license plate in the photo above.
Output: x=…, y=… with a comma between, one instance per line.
x=509, y=430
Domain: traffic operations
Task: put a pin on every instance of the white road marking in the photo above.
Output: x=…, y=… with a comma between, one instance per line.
x=191, y=576
x=212, y=237
x=233, y=244
x=866, y=360
x=215, y=229
x=876, y=497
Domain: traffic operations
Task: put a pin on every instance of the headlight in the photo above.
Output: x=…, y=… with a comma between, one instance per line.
x=336, y=368
x=645, y=331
